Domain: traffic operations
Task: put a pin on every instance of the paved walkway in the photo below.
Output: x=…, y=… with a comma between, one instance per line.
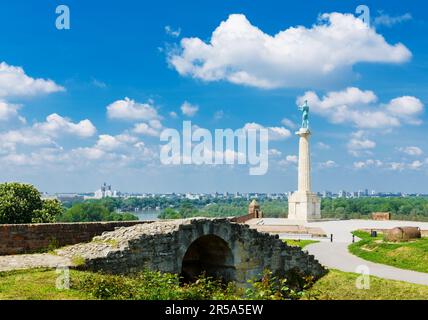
x=337, y=256
x=29, y=261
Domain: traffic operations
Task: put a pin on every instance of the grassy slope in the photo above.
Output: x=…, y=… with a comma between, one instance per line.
x=34, y=285
x=301, y=243
x=338, y=285
x=40, y=285
x=406, y=255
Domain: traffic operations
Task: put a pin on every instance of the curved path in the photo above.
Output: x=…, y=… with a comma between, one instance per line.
x=337, y=256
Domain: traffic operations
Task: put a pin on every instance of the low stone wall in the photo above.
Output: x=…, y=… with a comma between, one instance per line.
x=31, y=238
x=222, y=248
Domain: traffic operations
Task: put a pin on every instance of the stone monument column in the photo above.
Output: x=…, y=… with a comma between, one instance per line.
x=304, y=179
x=304, y=205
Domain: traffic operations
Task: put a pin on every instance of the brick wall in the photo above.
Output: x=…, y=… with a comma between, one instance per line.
x=30, y=238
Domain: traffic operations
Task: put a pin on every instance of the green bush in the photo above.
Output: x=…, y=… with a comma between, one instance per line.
x=154, y=285
x=22, y=203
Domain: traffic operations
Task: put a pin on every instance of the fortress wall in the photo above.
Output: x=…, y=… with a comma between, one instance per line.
x=31, y=238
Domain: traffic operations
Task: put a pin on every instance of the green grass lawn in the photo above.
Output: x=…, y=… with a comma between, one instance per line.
x=338, y=285
x=35, y=285
x=411, y=255
x=300, y=243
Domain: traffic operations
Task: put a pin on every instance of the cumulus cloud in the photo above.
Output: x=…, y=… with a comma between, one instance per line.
x=411, y=151
x=289, y=160
x=109, y=143
x=328, y=164
x=274, y=153
x=359, y=144
x=289, y=123
x=241, y=53
x=275, y=133
x=146, y=130
x=368, y=163
x=8, y=110
x=189, y=109
x=14, y=82
x=394, y=165
x=44, y=133
x=323, y=146
x=362, y=108
x=128, y=109
x=57, y=125
x=173, y=115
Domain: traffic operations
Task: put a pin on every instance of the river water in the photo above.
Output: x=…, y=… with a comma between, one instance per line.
x=148, y=215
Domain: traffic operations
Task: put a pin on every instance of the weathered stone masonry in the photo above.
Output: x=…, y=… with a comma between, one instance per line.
x=222, y=248
x=30, y=238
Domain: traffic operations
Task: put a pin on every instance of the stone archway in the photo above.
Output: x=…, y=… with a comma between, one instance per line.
x=209, y=254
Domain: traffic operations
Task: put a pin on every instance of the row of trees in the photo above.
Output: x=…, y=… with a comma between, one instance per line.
x=22, y=203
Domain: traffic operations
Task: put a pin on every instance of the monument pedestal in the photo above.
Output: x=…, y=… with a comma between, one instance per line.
x=304, y=205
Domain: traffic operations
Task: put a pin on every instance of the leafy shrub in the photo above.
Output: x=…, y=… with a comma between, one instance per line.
x=154, y=285
x=22, y=203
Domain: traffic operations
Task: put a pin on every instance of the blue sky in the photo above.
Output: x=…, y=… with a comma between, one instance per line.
x=57, y=131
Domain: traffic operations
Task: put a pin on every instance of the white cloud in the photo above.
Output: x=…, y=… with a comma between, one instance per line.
x=368, y=163
x=406, y=108
x=289, y=160
x=275, y=133
x=175, y=33
x=8, y=110
x=241, y=53
x=109, y=143
x=26, y=136
x=15, y=83
x=359, y=144
x=411, y=151
x=328, y=164
x=146, y=130
x=57, y=125
x=173, y=115
x=394, y=165
x=288, y=123
x=362, y=109
x=128, y=109
x=274, y=153
x=415, y=165
x=388, y=21
x=323, y=146
x=189, y=109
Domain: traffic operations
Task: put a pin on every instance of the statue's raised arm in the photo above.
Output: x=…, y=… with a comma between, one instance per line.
x=305, y=115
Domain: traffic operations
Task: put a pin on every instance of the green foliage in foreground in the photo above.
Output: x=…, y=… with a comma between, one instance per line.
x=300, y=243
x=22, y=203
x=151, y=285
x=93, y=211
x=411, y=255
x=336, y=285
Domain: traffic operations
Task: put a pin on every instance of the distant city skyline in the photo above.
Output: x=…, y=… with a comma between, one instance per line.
x=82, y=106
